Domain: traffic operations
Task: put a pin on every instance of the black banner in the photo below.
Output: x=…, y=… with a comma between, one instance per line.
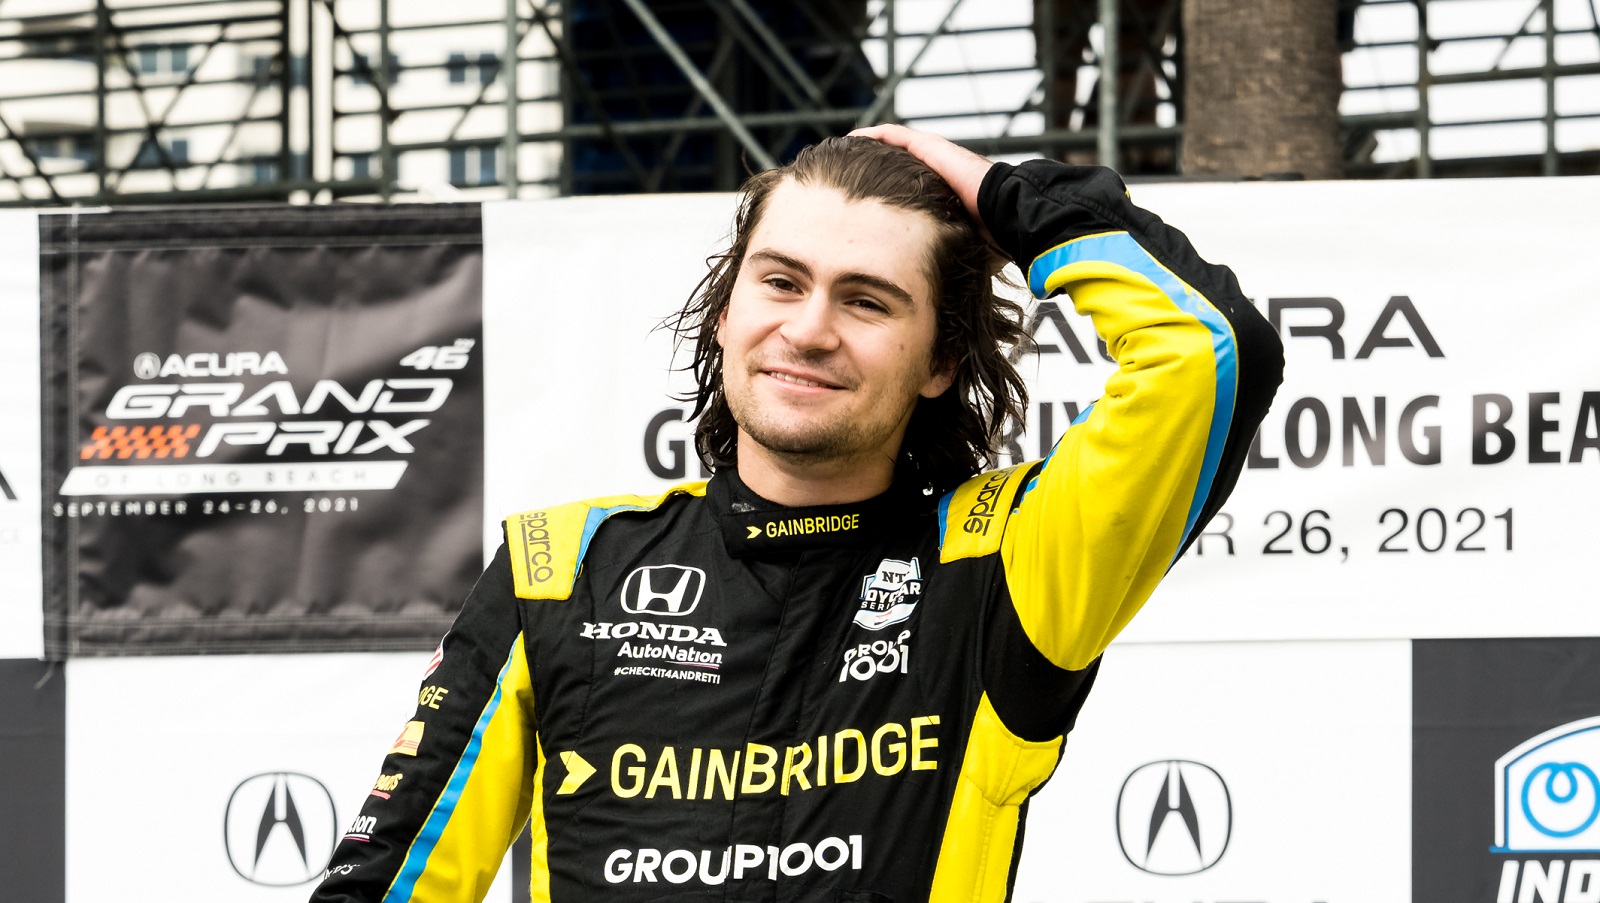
x=1506, y=771
x=33, y=784
x=262, y=428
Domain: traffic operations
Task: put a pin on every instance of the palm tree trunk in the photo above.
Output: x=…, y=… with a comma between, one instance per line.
x=1261, y=88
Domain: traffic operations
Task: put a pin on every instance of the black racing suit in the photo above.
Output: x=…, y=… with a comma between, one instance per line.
x=704, y=696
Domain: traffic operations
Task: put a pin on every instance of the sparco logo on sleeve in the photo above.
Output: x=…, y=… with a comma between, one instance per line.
x=668, y=589
x=1174, y=817
x=279, y=828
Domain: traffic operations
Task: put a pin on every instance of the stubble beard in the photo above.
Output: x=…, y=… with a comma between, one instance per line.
x=810, y=442
x=836, y=437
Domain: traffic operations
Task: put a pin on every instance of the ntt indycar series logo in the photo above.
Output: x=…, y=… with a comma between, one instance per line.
x=890, y=594
x=193, y=423
x=1547, y=805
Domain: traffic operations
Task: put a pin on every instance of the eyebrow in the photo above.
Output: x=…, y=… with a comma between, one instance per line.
x=866, y=279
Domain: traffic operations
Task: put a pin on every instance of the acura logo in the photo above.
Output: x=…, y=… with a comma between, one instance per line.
x=1174, y=817
x=279, y=828
x=146, y=365
x=668, y=589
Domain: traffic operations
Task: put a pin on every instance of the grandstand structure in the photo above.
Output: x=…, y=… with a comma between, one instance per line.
x=163, y=101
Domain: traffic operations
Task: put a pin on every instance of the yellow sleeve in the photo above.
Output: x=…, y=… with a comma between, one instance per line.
x=1099, y=526
x=461, y=779
x=485, y=801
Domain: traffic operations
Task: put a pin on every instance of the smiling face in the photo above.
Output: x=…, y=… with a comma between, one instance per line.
x=828, y=335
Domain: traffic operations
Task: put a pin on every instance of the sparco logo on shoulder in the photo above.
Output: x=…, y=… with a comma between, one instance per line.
x=985, y=506
x=279, y=828
x=667, y=589
x=1174, y=817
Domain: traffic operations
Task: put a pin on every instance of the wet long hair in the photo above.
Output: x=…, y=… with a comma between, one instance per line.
x=950, y=437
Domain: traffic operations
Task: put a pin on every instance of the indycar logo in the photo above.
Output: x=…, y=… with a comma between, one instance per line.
x=890, y=594
x=1547, y=814
x=1547, y=793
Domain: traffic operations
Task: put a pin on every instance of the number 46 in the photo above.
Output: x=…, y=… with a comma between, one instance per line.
x=439, y=357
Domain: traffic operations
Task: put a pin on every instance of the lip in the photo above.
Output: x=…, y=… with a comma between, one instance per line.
x=786, y=376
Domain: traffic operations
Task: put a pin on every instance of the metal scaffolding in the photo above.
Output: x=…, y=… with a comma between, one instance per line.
x=92, y=98
x=1437, y=65
x=157, y=101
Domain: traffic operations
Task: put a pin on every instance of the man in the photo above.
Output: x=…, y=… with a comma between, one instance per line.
x=838, y=670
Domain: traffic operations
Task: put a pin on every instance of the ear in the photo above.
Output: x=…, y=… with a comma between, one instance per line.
x=939, y=381
x=722, y=322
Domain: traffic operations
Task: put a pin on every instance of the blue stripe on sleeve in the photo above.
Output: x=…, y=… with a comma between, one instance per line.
x=944, y=512
x=597, y=516
x=1034, y=480
x=417, y=857
x=1121, y=249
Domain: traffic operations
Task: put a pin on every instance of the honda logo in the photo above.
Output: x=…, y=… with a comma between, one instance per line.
x=280, y=828
x=1174, y=817
x=668, y=589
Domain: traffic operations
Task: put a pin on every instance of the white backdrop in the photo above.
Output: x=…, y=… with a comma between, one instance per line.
x=1497, y=300
x=21, y=615
x=574, y=368
x=1311, y=740
x=1496, y=271
x=158, y=747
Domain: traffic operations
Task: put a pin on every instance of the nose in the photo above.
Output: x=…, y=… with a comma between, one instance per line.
x=810, y=325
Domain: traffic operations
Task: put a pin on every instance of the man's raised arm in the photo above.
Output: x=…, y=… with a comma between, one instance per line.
x=1137, y=476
